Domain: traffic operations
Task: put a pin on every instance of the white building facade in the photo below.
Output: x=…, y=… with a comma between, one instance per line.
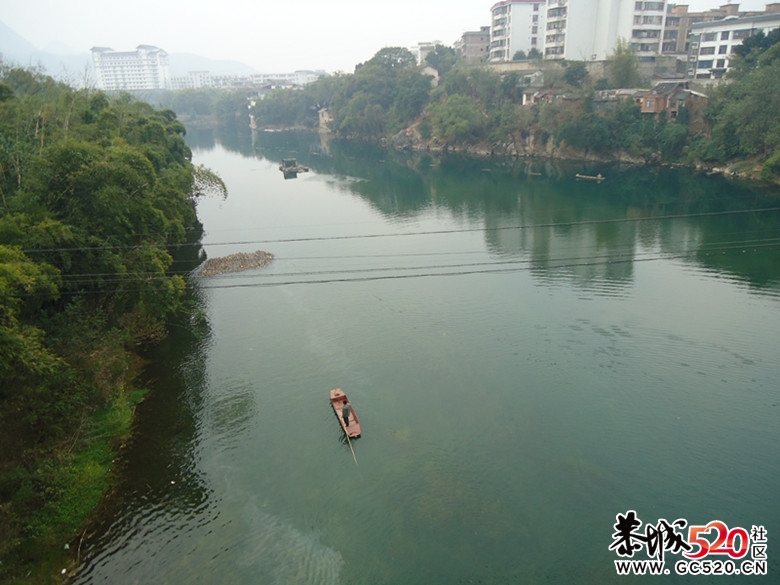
x=143, y=69
x=711, y=43
x=516, y=25
x=589, y=30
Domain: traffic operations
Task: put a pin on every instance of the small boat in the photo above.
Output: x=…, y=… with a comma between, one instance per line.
x=290, y=168
x=598, y=177
x=337, y=400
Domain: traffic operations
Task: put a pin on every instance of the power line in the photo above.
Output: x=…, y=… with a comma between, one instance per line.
x=408, y=234
x=72, y=278
x=371, y=274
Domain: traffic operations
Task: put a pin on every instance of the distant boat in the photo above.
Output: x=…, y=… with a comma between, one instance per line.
x=337, y=400
x=290, y=168
x=598, y=177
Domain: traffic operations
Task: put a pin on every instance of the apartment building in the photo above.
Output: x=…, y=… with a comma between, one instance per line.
x=516, y=25
x=143, y=69
x=474, y=46
x=589, y=30
x=711, y=43
x=679, y=21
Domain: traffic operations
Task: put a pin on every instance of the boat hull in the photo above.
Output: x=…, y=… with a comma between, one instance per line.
x=337, y=400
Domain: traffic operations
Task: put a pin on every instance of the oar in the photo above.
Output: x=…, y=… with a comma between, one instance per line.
x=351, y=449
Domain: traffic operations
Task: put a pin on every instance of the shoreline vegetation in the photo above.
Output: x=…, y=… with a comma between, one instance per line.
x=97, y=202
x=453, y=107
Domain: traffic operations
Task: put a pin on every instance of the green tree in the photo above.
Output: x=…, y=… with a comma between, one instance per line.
x=392, y=58
x=442, y=58
x=456, y=120
x=576, y=72
x=623, y=66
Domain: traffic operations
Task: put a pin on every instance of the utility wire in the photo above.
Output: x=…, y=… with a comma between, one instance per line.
x=126, y=277
x=370, y=274
x=407, y=234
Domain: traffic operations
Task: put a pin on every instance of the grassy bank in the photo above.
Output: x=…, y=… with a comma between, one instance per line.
x=51, y=491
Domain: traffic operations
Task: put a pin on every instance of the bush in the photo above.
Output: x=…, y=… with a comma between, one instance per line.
x=771, y=169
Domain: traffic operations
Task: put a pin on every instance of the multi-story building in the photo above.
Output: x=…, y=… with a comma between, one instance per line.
x=142, y=69
x=517, y=25
x=474, y=46
x=711, y=43
x=205, y=79
x=679, y=20
x=589, y=30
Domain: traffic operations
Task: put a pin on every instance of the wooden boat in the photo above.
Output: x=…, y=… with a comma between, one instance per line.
x=598, y=177
x=290, y=168
x=337, y=400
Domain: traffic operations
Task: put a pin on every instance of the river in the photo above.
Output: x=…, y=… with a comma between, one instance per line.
x=530, y=355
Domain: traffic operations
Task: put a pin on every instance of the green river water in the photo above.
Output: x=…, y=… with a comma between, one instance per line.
x=529, y=355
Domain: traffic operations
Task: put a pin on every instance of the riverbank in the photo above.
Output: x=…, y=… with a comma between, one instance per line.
x=535, y=147
x=59, y=488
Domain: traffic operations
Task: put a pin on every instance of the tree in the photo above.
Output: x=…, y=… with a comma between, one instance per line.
x=456, y=120
x=576, y=72
x=391, y=58
x=623, y=66
x=442, y=58
x=519, y=56
x=760, y=48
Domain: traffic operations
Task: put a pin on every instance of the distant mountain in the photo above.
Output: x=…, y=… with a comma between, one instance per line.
x=72, y=68
x=16, y=50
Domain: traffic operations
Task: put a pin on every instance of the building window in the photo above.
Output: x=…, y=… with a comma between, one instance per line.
x=724, y=36
x=707, y=51
x=723, y=50
x=721, y=63
x=704, y=64
x=742, y=34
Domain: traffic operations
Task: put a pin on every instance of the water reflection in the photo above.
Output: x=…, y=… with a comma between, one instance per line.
x=592, y=233
x=163, y=494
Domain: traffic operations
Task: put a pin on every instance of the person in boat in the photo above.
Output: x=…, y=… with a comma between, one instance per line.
x=346, y=410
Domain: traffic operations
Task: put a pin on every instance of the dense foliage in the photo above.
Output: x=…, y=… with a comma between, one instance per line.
x=209, y=106
x=95, y=197
x=743, y=112
x=388, y=97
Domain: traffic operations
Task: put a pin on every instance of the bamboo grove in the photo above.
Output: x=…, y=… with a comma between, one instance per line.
x=96, y=199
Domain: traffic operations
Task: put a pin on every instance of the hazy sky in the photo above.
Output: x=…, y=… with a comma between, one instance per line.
x=277, y=36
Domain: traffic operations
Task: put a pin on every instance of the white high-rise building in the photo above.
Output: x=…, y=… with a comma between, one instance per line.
x=142, y=69
x=516, y=25
x=713, y=42
x=589, y=30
